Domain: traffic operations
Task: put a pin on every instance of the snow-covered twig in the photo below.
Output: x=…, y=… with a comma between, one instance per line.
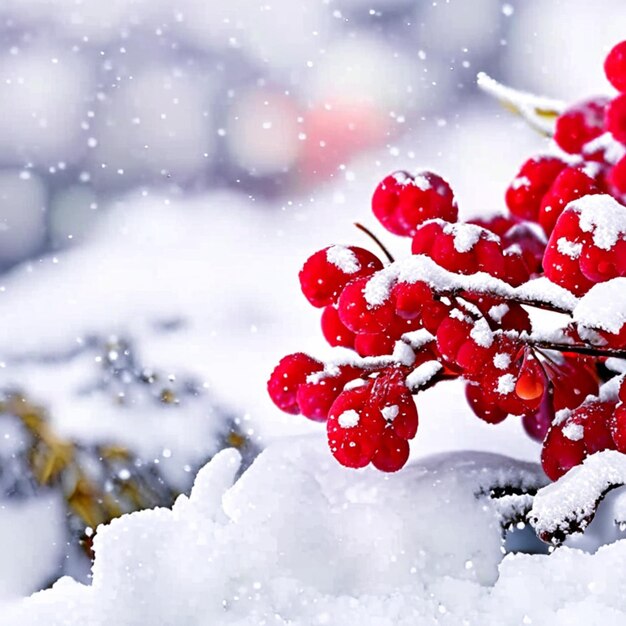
x=538, y=111
x=569, y=504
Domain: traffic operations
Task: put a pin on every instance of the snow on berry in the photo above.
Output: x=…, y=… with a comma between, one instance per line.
x=348, y=419
x=506, y=384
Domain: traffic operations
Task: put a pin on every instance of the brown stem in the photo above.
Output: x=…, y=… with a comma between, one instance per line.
x=546, y=306
x=579, y=349
x=376, y=240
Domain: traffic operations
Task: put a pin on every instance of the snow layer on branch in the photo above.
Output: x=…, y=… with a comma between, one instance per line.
x=419, y=267
x=570, y=502
x=603, y=306
x=422, y=374
x=300, y=540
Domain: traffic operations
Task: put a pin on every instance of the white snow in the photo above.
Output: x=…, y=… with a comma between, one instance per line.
x=573, y=498
x=569, y=248
x=422, y=374
x=421, y=182
x=501, y=360
x=348, y=419
x=603, y=306
x=418, y=338
x=298, y=539
x=603, y=216
x=520, y=181
x=506, y=384
x=498, y=311
x=529, y=105
x=574, y=432
x=390, y=412
x=481, y=333
x=343, y=258
x=466, y=236
x=420, y=267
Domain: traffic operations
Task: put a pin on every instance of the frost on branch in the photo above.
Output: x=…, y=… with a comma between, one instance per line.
x=464, y=303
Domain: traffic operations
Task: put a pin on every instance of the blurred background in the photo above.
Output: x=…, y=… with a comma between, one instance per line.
x=166, y=168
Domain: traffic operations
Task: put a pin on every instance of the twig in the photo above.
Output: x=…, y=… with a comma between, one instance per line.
x=376, y=240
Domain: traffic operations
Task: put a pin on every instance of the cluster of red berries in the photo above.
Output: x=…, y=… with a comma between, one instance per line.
x=456, y=307
x=594, y=426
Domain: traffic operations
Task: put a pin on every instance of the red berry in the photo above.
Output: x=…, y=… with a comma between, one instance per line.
x=317, y=396
x=353, y=431
x=291, y=372
x=433, y=314
x=586, y=430
x=560, y=454
x=360, y=316
x=618, y=427
x=392, y=453
x=482, y=407
x=334, y=330
x=615, y=66
x=617, y=176
x=579, y=124
x=524, y=195
x=561, y=259
x=401, y=202
x=451, y=335
x=574, y=382
x=392, y=398
x=569, y=185
x=531, y=244
x=315, y=399
x=327, y=272
x=531, y=382
x=516, y=318
x=373, y=344
x=616, y=118
x=538, y=423
x=410, y=299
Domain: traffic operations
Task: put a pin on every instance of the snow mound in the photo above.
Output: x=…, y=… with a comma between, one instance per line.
x=300, y=540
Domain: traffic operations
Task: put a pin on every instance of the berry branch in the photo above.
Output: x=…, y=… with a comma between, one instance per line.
x=464, y=303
